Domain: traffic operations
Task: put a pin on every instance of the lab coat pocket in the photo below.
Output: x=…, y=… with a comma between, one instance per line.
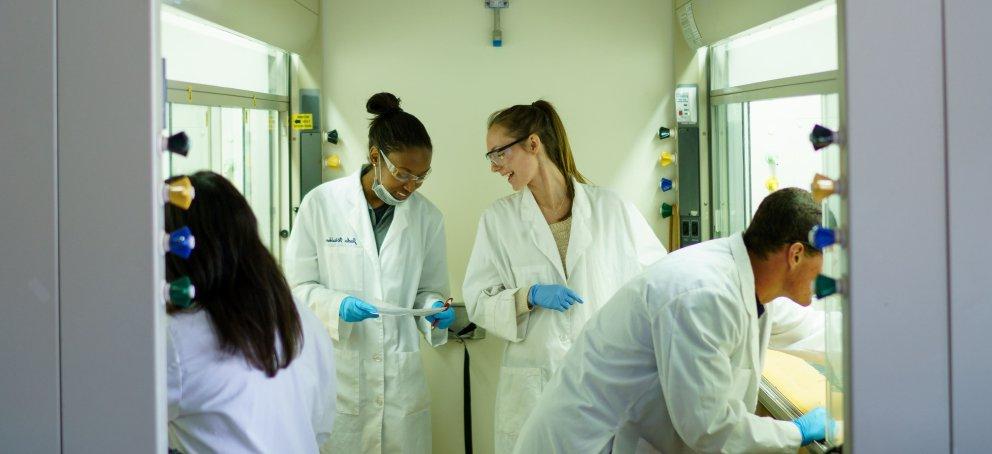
x=346, y=267
x=348, y=374
x=412, y=378
x=519, y=388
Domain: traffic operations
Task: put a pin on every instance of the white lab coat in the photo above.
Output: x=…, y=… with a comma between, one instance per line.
x=383, y=402
x=609, y=244
x=675, y=359
x=220, y=403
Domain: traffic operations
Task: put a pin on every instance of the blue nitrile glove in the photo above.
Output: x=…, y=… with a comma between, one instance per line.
x=355, y=310
x=442, y=319
x=813, y=425
x=554, y=296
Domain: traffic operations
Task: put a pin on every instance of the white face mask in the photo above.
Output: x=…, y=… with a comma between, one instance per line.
x=380, y=191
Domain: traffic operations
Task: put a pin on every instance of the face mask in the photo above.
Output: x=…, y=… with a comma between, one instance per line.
x=381, y=192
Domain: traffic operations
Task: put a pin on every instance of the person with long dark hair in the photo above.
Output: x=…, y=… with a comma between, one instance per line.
x=367, y=254
x=248, y=369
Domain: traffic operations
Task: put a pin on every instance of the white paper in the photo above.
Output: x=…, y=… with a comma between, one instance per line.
x=393, y=311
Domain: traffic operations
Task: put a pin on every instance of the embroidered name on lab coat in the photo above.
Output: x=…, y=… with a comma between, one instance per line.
x=339, y=241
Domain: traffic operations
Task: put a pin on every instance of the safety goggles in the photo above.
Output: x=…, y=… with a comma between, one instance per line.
x=402, y=175
x=497, y=156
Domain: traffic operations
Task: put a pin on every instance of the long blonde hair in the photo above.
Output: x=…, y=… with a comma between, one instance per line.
x=541, y=118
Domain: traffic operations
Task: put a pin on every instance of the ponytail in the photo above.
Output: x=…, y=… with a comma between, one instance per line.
x=541, y=118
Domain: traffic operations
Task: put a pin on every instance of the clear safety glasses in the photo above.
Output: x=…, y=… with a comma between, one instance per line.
x=497, y=156
x=402, y=175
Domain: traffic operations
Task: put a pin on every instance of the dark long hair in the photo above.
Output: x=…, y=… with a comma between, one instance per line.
x=541, y=118
x=392, y=129
x=238, y=282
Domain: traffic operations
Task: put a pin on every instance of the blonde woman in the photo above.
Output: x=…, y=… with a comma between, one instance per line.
x=545, y=258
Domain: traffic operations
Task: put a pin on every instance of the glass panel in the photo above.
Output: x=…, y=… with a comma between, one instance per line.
x=204, y=53
x=781, y=155
x=720, y=190
x=738, y=148
x=282, y=181
x=262, y=145
x=244, y=146
x=804, y=42
x=231, y=135
x=730, y=213
x=165, y=160
x=834, y=265
x=835, y=308
x=195, y=121
x=762, y=145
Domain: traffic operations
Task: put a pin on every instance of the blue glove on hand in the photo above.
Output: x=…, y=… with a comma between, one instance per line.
x=554, y=296
x=442, y=319
x=813, y=425
x=355, y=310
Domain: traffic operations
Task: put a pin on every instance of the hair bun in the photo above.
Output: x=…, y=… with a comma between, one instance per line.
x=383, y=103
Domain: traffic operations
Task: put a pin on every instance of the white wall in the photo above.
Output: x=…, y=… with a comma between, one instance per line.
x=606, y=66
x=29, y=291
x=306, y=73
